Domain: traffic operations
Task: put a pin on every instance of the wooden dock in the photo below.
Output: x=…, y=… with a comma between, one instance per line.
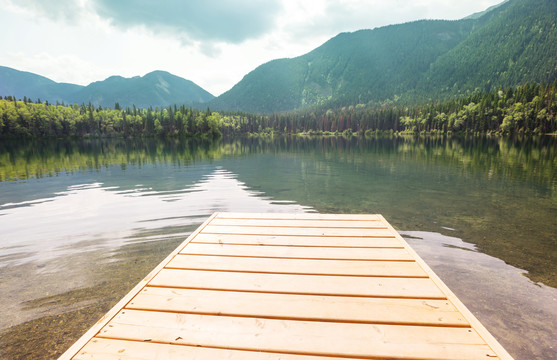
x=290, y=287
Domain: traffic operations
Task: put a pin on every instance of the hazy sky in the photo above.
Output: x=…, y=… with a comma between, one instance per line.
x=214, y=43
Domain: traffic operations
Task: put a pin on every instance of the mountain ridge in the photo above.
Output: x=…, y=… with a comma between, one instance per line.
x=350, y=67
x=27, y=84
x=414, y=62
x=157, y=88
x=507, y=45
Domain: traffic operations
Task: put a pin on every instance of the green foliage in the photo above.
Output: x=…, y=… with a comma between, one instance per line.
x=529, y=109
x=19, y=119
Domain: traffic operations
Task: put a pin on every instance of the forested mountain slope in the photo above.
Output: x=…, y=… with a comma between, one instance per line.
x=517, y=46
x=414, y=62
x=351, y=67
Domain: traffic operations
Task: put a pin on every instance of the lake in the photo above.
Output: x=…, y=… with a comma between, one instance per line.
x=81, y=222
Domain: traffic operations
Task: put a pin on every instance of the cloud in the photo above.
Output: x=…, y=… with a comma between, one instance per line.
x=232, y=21
x=65, y=10
x=330, y=17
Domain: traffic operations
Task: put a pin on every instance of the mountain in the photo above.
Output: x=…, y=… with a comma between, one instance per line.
x=508, y=45
x=25, y=84
x=517, y=46
x=351, y=67
x=158, y=88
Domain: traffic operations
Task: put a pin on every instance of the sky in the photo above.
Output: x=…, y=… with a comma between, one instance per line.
x=213, y=43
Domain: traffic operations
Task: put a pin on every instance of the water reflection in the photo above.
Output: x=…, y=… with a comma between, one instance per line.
x=101, y=219
x=530, y=159
x=82, y=222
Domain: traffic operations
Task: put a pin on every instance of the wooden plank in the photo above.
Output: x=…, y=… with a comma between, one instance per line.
x=298, y=252
x=299, y=337
x=385, y=242
x=299, y=216
x=298, y=266
x=112, y=349
x=351, y=224
x=299, y=284
x=300, y=307
x=255, y=230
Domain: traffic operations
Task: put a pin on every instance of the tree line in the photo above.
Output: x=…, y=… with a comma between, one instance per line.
x=25, y=118
x=528, y=109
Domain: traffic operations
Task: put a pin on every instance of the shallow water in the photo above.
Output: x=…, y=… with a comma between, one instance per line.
x=83, y=222
x=522, y=315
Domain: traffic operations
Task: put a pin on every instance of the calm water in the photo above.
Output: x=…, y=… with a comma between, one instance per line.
x=82, y=222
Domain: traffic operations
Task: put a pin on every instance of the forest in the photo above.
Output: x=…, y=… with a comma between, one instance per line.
x=24, y=118
x=527, y=109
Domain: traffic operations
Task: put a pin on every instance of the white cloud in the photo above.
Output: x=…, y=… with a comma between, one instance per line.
x=63, y=10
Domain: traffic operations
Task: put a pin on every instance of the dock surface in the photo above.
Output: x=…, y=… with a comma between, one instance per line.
x=290, y=287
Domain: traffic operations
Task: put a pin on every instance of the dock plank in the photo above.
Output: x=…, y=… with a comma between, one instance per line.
x=292, y=287
x=298, y=266
x=299, y=337
x=112, y=349
x=298, y=252
x=230, y=239
x=287, y=231
x=299, y=284
x=300, y=223
x=301, y=307
x=298, y=216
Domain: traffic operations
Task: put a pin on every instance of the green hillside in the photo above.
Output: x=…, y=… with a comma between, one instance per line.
x=158, y=88
x=511, y=44
x=351, y=67
x=25, y=84
x=517, y=46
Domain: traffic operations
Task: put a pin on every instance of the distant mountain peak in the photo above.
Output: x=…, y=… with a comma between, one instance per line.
x=159, y=72
x=157, y=88
x=113, y=78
